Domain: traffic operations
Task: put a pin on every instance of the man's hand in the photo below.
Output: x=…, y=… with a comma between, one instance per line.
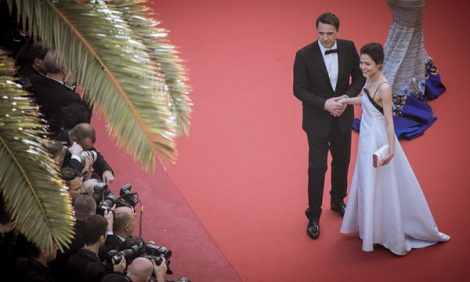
x=109, y=216
x=334, y=105
x=120, y=267
x=340, y=99
x=75, y=149
x=87, y=167
x=160, y=270
x=108, y=177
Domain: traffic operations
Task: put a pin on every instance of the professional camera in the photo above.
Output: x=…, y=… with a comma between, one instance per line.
x=130, y=254
x=107, y=204
x=155, y=253
x=100, y=190
x=157, y=260
x=91, y=154
x=105, y=199
x=127, y=198
x=155, y=250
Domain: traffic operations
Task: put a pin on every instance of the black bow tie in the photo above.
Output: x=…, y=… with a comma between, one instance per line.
x=331, y=51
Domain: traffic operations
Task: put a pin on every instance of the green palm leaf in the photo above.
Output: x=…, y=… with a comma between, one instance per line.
x=142, y=21
x=29, y=183
x=116, y=71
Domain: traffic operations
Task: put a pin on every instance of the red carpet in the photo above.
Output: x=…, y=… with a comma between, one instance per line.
x=167, y=219
x=243, y=170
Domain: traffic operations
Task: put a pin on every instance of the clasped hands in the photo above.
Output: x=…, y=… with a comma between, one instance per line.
x=336, y=106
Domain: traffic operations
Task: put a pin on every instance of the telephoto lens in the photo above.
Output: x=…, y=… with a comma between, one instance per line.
x=106, y=205
x=157, y=251
x=91, y=154
x=127, y=198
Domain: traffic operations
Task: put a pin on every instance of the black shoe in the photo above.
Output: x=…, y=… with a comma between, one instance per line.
x=307, y=213
x=338, y=207
x=313, y=229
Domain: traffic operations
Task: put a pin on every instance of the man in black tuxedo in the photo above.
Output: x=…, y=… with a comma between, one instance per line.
x=84, y=207
x=52, y=94
x=83, y=137
x=85, y=265
x=123, y=228
x=324, y=72
x=30, y=62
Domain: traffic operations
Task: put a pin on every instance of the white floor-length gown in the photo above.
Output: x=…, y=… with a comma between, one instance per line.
x=386, y=204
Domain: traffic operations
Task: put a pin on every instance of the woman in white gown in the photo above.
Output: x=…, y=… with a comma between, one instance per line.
x=386, y=204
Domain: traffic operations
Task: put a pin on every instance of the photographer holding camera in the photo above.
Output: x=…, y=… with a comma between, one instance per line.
x=123, y=228
x=140, y=270
x=81, y=145
x=74, y=182
x=85, y=265
x=83, y=207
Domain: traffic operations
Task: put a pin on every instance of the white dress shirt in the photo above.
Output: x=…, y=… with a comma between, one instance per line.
x=331, y=63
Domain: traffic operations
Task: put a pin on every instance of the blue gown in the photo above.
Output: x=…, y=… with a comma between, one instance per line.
x=412, y=114
x=409, y=69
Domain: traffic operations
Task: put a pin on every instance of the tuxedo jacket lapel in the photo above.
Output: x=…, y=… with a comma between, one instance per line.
x=342, y=59
x=318, y=59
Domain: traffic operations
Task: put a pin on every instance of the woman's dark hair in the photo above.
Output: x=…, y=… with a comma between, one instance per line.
x=328, y=18
x=375, y=52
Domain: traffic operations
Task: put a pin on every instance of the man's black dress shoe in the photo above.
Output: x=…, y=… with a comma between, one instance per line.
x=313, y=229
x=338, y=207
x=307, y=213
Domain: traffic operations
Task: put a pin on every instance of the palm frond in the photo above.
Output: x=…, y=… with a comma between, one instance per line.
x=142, y=21
x=115, y=69
x=33, y=192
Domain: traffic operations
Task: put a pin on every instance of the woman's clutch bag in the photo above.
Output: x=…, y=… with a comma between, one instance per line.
x=379, y=155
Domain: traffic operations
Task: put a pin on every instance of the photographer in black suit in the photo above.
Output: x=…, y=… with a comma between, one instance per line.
x=84, y=207
x=82, y=137
x=325, y=71
x=30, y=61
x=123, y=228
x=86, y=265
x=74, y=182
x=140, y=270
x=50, y=91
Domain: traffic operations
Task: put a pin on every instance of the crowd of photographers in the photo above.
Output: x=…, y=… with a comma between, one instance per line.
x=104, y=247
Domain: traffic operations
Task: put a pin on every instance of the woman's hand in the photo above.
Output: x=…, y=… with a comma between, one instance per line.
x=388, y=158
x=344, y=101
